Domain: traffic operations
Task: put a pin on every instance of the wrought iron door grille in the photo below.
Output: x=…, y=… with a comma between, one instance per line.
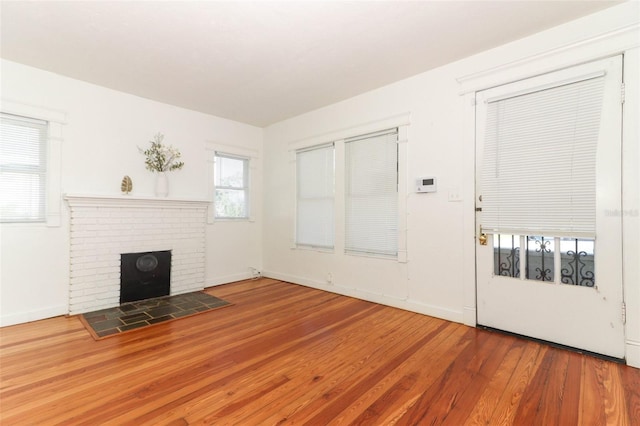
x=576, y=258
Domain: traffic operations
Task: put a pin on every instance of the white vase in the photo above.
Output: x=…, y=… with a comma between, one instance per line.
x=162, y=184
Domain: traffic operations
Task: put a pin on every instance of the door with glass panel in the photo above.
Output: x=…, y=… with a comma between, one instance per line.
x=549, y=249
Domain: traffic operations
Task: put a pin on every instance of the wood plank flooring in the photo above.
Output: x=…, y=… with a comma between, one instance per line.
x=287, y=354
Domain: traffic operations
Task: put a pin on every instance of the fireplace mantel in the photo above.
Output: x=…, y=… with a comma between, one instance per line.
x=93, y=200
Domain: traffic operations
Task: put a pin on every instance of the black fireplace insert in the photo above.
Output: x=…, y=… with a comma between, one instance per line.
x=144, y=275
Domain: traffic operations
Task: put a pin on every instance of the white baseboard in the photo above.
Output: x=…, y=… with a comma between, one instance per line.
x=469, y=316
x=226, y=279
x=22, y=317
x=633, y=353
x=406, y=304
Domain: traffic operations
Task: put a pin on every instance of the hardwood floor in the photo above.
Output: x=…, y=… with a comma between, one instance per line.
x=287, y=354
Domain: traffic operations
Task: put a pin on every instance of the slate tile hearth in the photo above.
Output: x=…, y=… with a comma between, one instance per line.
x=132, y=315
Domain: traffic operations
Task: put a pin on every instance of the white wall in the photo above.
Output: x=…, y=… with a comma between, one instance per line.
x=100, y=138
x=439, y=276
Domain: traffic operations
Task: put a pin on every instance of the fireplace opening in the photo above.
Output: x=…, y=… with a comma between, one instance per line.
x=144, y=275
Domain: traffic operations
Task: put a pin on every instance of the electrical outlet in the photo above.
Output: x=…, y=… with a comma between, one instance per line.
x=329, y=278
x=256, y=273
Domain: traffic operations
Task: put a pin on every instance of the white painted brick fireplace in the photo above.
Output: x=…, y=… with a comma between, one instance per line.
x=103, y=227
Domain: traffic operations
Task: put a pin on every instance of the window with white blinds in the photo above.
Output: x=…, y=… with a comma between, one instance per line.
x=23, y=160
x=539, y=171
x=315, y=197
x=371, y=177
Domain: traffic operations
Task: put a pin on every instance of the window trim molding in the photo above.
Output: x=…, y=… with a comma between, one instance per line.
x=252, y=155
x=53, y=192
x=586, y=49
x=398, y=120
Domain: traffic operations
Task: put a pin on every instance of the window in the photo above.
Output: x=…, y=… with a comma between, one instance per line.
x=347, y=191
x=23, y=160
x=231, y=180
x=315, y=197
x=539, y=180
x=371, y=177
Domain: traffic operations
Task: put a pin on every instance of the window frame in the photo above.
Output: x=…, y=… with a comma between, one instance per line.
x=400, y=121
x=56, y=119
x=26, y=171
x=332, y=197
x=363, y=196
x=245, y=188
x=213, y=147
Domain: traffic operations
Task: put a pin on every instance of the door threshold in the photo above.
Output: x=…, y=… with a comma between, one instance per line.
x=556, y=345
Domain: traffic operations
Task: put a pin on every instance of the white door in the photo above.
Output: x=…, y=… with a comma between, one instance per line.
x=548, y=203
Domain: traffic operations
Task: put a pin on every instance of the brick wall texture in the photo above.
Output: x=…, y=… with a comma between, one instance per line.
x=100, y=234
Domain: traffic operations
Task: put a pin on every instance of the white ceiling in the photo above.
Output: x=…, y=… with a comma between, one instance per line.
x=262, y=62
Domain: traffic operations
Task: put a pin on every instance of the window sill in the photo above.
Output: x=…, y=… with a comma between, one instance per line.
x=401, y=257
x=316, y=249
x=27, y=225
x=372, y=255
x=231, y=220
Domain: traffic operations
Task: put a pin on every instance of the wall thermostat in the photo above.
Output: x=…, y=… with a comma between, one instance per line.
x=426, y=184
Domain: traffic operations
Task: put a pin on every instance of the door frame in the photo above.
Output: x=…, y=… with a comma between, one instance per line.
x=612, y=340
x=558, y=48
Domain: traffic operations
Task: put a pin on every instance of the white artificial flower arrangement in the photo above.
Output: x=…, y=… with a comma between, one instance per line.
x=160, y=157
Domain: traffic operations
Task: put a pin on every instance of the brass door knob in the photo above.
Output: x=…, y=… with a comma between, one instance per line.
x=482, y=239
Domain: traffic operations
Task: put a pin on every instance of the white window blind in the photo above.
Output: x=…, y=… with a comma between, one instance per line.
x=315, y=197
x=371, y=216
x=23, y=151
x=231, y=181
x=539, y=171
